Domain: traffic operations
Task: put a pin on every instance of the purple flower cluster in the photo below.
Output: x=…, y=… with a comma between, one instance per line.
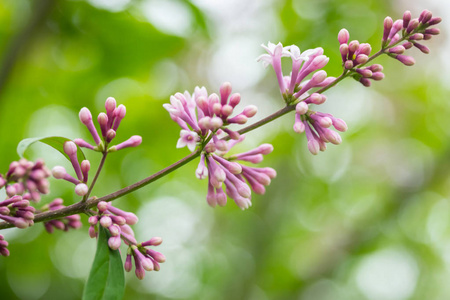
x=239, y=179
x=27, y=179
x=412, y=31
x=81, y=170
x=109, y=123
x=201, y=116
x=296, y=89
x=3, y=246
x=204, y=119
x=23, y=182
x=145, y=259
x=118, y=222
x=17, y=211
x=356, y=54
x=65, y=223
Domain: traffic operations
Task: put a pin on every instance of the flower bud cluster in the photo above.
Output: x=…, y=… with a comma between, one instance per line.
x=317, y=125
x=201, y=115
x=303, y=64
x=17, y=211
x=116, y=221
x=27, y=179
x=355, y=54
x=412, y=31
x=109, y=123
x=145, y=259
x=239, y=180
x=65, y=223
x=3, y=246
x=81, y=170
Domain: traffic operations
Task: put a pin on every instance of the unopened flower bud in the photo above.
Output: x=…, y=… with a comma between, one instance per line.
x=302, y=108
x=81, y=189
x=343, y=36
x=250, y=111
x=105, y=221
x=225, y=91
x=59, y=172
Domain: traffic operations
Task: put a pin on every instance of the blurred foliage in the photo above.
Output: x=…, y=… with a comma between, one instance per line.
x=368, y=219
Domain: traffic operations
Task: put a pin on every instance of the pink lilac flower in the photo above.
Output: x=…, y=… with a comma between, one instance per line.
x=202, y=116
x=303, y=64
x=239, y=180
x=64, y=223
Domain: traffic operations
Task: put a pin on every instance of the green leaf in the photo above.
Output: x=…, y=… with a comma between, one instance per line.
x=106, y=280
x=56, y=142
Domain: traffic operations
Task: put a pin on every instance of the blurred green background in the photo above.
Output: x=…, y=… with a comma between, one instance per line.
x=368, y=219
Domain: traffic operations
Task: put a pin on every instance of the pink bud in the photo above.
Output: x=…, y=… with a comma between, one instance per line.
x=133, y=141
x=225, y=91
x=377, y=76
x=105, y=221
x=110, y=135
x=70, y=148
x=154, y=241
x=93, y=220
x=128, y=266
x=81, y=189
x=227, y=110
x=265, y=149
x=250, y=111
x=110, y=105
x=85, y=116
x=302, y=108
x=114, y=242
x=406, y=18
x=348, y=64
x=102, y=206
x=422, y=48
x=103, y=122
x=343, y=36
x=406, y=60
x=388, y=22
x=235, y=99
x=239, y=119
x=59, y=172
x=119, y=114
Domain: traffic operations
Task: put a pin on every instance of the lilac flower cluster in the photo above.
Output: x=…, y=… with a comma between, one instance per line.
x=27, y=179
x=294, y=87
x=201, y=116
x=239, y=180
x=204, y=119
x=118, y=222
x=412, y=31
x=81, y=170
x=65, y=223
x=17, y=211
x=145, y=259
x=109, y=123
x=3, y=246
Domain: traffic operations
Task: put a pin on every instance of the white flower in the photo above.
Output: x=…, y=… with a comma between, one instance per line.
x=189, y=139
x=274, y=51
